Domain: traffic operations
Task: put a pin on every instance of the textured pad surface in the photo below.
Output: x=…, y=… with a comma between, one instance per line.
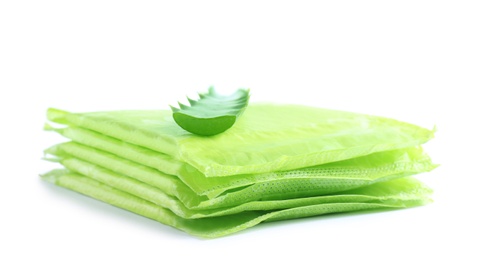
x=88, y=161
x=392, y=196
x=369, y=167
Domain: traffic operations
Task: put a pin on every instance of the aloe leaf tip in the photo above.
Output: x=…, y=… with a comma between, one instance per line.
x=212, y=113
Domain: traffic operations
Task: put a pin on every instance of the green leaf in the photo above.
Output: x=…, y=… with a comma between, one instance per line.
x=212, y=113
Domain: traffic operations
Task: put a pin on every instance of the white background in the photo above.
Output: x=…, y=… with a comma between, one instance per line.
x=416, y=61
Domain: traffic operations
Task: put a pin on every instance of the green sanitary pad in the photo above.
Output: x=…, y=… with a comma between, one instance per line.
x=268, y=138
x=277, y=162
x=394, y=194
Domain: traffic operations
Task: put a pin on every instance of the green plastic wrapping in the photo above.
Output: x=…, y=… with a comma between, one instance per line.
x=385, y=195
x=306, y=182
x=369, y=167
x=268, y=138
x=157, y=196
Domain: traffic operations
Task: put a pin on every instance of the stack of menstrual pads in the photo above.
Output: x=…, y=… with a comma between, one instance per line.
x=277, y=162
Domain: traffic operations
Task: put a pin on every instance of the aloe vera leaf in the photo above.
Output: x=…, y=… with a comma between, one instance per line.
x=212, y=113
